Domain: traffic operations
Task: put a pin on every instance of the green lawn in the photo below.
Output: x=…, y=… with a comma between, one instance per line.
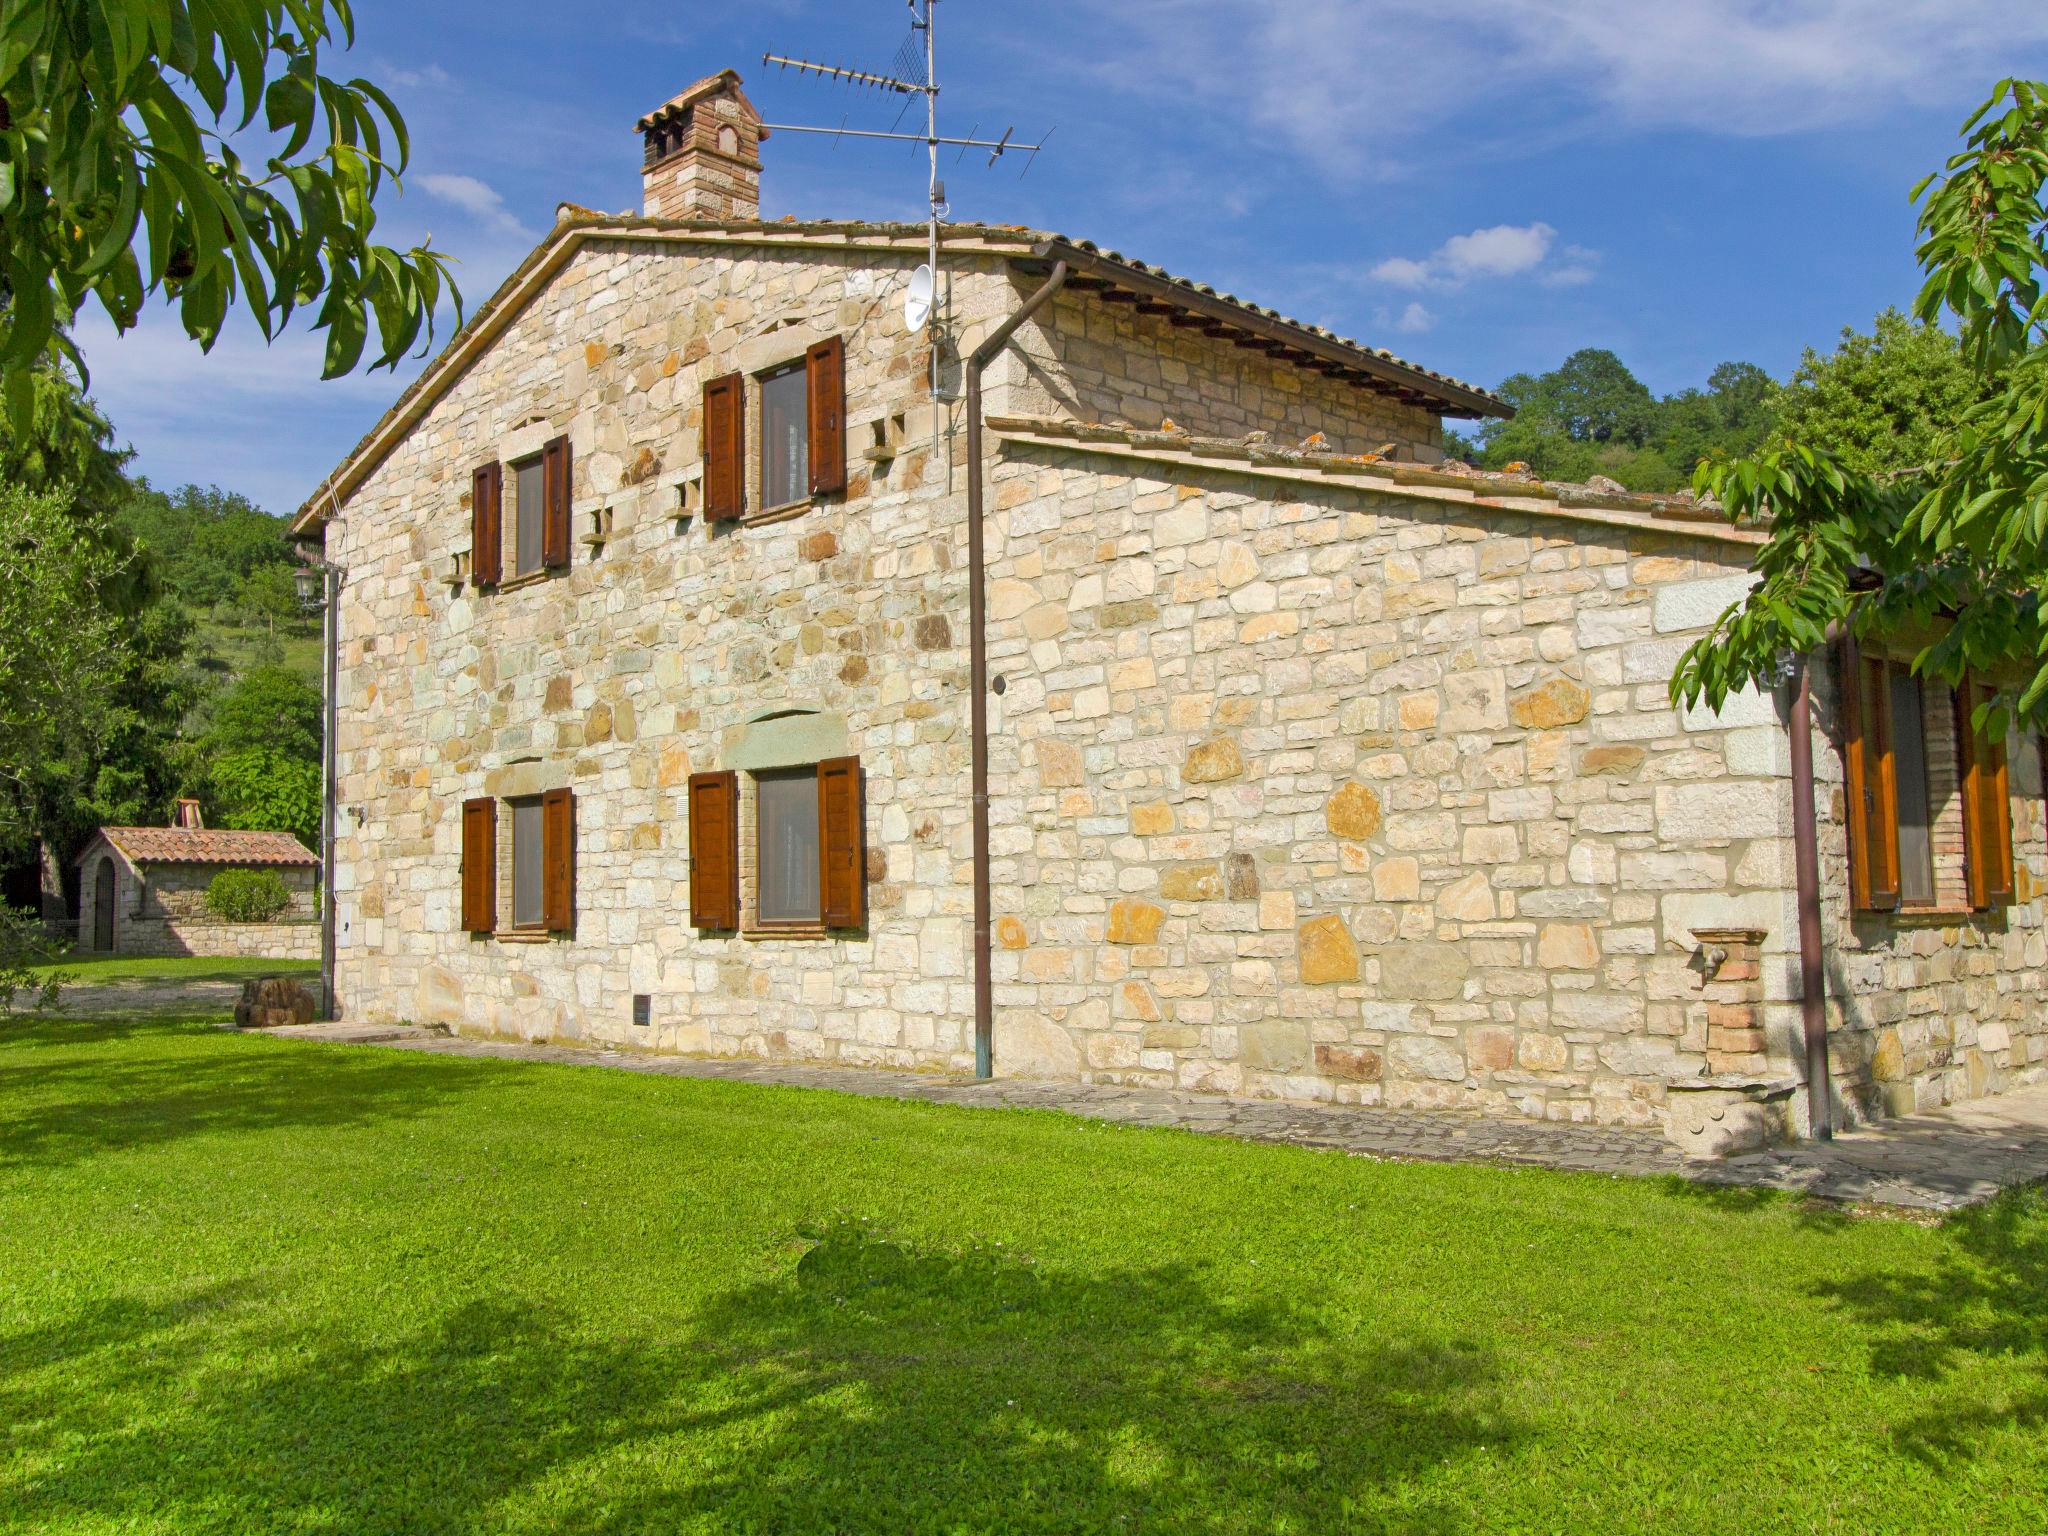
x=87, y=969
x=256, y=1286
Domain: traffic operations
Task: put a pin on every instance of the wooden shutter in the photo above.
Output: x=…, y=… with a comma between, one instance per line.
x=725, y=449
x=1871, y=771
x=1987, y=804
x=715, y=850
x=554, y=477
x=842, y=844
x=558, y=860
x=479, y=866
x=825, y=383
x=487, y=524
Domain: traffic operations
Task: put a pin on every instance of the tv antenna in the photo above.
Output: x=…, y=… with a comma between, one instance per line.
x=913, y=76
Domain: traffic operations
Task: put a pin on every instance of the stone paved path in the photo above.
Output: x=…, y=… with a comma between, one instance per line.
x=1930, y=1163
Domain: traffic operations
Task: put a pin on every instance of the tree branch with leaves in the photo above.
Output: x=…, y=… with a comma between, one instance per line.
x=114, y=186
x=1952, y=555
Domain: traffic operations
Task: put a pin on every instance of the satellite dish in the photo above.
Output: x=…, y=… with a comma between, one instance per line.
x=917, y=299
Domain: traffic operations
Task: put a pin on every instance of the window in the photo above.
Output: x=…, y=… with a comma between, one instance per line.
x=539, y=534
x=787, y=831
x=808, y=855
x=802, y=423
x=527, y=863
x=1930, y=825
x=785, y=451
x=529, y=501
x=1916, y=817
x=540, y=871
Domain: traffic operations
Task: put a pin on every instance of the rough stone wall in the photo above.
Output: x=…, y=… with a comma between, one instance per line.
x=1341, y=795
x=656, y=654
x=1092, y=361
x=650, y=657
x=160, y=910
x=1931, y=1008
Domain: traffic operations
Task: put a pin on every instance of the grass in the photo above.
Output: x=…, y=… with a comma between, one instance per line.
x=253, y=1285
x=235, y=648
x=88, y=969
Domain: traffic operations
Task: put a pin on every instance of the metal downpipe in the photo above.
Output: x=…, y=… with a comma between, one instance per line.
x=1806, y=860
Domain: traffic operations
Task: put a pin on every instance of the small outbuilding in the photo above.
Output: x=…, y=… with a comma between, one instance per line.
x=142, y=891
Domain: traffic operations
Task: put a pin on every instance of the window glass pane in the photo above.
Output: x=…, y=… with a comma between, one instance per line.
x=788, y=824
x=529, y=492
x=1909, y=757
x=526, y=863
x=785, y=438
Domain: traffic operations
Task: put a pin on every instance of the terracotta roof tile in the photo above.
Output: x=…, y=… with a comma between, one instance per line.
x=175, y=845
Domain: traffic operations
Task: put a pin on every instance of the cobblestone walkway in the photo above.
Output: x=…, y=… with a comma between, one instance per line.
x=1929, y=1163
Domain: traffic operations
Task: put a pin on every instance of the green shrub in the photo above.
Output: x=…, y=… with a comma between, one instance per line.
x=23, y=948
x=247, y=895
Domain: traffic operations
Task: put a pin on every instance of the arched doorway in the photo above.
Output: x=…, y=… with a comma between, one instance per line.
x=103, y=908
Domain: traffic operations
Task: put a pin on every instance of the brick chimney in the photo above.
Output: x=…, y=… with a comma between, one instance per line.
x=187, y=816
x=703, y=153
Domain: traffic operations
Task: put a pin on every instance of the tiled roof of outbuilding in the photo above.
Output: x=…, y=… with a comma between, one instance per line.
x=176, y=845
x=1313, y=462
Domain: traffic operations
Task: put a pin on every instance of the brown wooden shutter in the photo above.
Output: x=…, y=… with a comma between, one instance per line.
x=1872, y=780
x=725, y=449
x=558, y=860
x=487, y=524
x=825, y=383
x=842, y=844
x=715, y=850
x=479, y=866
x=1987, y=804
x=554, y=528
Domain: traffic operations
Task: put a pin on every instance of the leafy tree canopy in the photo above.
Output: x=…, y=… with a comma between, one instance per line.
x=271, y=709
x=1883, y=401
x=260, y=790
x=59, y=640
x=1955, y=547
x=67, y=444
x=1592, y=416
x=205, y=543
x=123, y=125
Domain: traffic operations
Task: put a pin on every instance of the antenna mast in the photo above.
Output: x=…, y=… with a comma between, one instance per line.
x=923, y=19
x=934, y=324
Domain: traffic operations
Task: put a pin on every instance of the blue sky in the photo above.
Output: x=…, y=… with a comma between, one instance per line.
x=1482, y=188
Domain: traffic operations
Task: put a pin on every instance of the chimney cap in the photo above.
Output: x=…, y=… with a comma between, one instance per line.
x=725, y=83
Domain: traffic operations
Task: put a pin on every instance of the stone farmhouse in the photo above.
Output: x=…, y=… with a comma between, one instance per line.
x=142, y=891
x=1316, y=767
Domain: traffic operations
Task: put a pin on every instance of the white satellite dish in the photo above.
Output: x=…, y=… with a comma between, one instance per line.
x=917, y=299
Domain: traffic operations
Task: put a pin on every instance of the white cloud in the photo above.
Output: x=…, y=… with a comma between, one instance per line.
x=1354, y=84
x=1575, y=265
x=1500, y=250
x=476, y=198
x=1413, y=320
x=425, y=77
x=251, y=416
x=1402, y=272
